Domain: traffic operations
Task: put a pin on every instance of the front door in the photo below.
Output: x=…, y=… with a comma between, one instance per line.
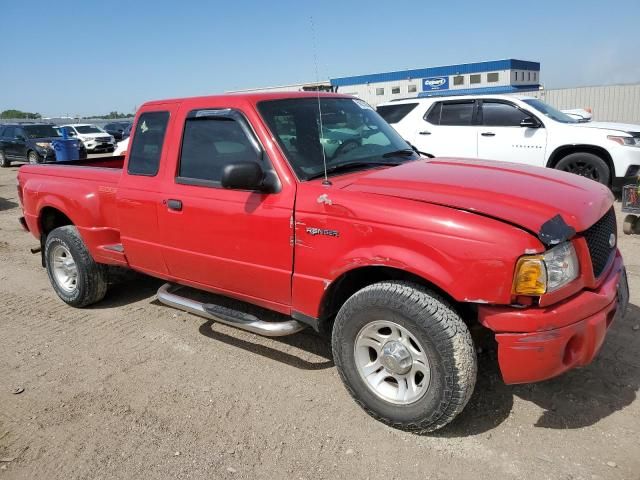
x=233, y=241
x=501, y=137
x=448, y=130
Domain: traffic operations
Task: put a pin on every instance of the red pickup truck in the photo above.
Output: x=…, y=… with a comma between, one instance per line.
x=313, y=207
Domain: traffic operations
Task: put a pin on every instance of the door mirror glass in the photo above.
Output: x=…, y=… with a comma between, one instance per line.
x=243, y=176
x=529, y=122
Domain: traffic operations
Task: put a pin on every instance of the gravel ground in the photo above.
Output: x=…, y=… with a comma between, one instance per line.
x=133, y=389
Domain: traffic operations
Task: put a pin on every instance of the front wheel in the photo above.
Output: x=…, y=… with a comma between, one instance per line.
x=77, y=279
x=33, y=157
x=586, y=165
x=405, y=356
x=4, y=161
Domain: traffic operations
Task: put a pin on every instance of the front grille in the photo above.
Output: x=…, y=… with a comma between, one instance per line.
x=597, y=237
x=103, y=139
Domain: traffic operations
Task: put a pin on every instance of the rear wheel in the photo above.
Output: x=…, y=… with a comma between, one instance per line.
x=405, y=356
x=586, y=165
x=4, y=161
x=77, y=279
x=33, y=157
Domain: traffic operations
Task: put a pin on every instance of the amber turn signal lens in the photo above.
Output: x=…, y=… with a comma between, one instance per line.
x=531, y=276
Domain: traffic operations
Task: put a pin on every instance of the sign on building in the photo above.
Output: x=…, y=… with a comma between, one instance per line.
x=435, y=83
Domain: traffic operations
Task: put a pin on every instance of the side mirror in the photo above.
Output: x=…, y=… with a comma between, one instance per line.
x=530, y=122
x=245, y=176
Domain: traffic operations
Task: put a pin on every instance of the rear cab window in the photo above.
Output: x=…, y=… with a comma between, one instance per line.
x=395, y=113
x=146, y=149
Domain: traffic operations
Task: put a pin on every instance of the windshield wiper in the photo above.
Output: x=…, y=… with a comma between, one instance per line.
x=405, y=152
x=344, y=167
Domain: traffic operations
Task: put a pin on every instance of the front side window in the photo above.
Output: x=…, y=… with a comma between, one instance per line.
x=145, y=151
x=349, y=133
x=9, y=132
x=497, y=114
x=396, y=112
x=457, y=113
x=209, y=143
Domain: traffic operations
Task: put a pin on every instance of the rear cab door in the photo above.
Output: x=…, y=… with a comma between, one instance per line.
x=140, y=189
x=501, y=137
x=448, y=129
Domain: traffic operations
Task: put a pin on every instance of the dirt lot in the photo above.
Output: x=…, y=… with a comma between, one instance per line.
x=133, y=389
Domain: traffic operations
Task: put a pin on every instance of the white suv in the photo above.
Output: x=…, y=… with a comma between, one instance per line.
x=517, y=129
x=94, y=138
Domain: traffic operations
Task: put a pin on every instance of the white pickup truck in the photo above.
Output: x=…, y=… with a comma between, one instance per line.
x=520, y=130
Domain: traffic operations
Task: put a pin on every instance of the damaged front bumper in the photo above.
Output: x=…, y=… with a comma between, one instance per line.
x=551, y=340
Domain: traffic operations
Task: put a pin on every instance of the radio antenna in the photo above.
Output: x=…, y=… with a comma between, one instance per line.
x=320, y=137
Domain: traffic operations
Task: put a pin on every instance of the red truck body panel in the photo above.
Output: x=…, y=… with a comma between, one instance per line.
x=457, y=224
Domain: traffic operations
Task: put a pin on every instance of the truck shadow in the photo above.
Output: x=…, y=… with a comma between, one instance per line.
x=577, y=399
x=306, y=341
x=6, y=204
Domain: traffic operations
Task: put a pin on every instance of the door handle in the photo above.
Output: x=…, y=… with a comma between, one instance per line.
x=173, y=204
x=424, y=132
x=488, y=134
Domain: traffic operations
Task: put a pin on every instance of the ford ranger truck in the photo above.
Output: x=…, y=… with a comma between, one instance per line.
x=395, y=256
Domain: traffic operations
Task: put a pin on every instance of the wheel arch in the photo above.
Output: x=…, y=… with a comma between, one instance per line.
x=562, y=151
x=351, y=281
x=50, y=218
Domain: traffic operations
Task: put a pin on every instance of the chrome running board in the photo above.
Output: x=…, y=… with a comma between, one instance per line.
x=226, y=315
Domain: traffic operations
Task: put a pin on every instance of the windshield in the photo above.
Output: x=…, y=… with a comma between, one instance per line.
x=40, y=131
x=352, y=133
x=549, y=111
x=88, y=129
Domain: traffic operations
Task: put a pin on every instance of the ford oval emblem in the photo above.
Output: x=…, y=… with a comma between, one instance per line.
x=612, y=240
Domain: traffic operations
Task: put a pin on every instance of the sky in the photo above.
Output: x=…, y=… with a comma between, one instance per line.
x=93, y=57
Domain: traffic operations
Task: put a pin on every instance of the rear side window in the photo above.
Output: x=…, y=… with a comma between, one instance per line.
x=209, y=144
x=395, y=113
x=459, y=113
x=433, y=116
x=497, y=114
x=9, y=132
x=144, y=154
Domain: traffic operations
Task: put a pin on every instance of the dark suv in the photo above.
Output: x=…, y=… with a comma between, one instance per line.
x=30, y=142
x=117, y=129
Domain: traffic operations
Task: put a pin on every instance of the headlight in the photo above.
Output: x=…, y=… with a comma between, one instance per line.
x=43, y=145
x=539, y=274
x=628, y=141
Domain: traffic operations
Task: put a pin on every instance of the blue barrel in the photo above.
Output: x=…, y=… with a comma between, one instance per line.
x=66, y=149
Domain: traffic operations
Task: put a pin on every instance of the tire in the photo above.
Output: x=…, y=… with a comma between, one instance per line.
x=64, y=246
x=429, y=329
x=4, y=161
x=630, y=224
x=586, y=165
x=33, y=157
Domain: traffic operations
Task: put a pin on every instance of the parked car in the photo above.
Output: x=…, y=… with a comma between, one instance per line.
x=395, y=256
x=121, y=147
x=127, y=131
x=518, y=129
x=94, y=138
x=116, y=129
x=22, y=142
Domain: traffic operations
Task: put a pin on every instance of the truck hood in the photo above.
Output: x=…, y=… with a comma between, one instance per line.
x=621, y=127
x=528, y=197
